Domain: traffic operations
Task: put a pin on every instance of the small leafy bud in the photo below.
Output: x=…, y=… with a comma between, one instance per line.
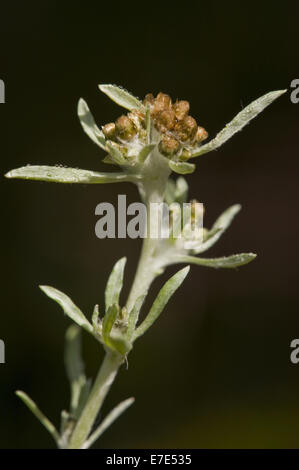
x=186, y=129
x=109, y=130
x=164, y=99
x=185, y=155
x=181, y=109
x=125, y=128
x=165, y=120
x=148, y=99
x=201, y=134
x=169, y=145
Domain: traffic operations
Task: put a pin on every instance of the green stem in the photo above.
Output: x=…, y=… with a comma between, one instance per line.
x=145, y=274
x=101, y=387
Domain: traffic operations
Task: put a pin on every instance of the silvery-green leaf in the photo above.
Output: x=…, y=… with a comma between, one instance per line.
x=74, y=366
x=121, y=97
x=134, y=314
x=38, y=414
x=219, y=227
x=182, y=168
x=108, y=322
x=89, y=126
x=115, y=283
x=146, y=150
x=116, y=154
x=95, y=317
x=163, y=297
x=242, y=118
x=233, y=261
x=106, y=423
x=56, y=174
x=69, y=308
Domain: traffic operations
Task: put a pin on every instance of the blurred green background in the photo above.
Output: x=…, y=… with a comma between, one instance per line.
x=214, y=372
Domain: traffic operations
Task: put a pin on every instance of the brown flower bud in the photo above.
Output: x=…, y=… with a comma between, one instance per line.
x=148, y=99
x=125, y=128
x=164, y=99
x=201, y=134
x=181, y=109
x=168, y=145
x=109, y=130
x=165, y=120
x=186, y=129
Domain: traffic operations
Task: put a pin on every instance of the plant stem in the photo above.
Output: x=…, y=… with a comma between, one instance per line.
x=101, y=387
x=145, y=274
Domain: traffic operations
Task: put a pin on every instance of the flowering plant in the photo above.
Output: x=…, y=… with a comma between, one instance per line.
x=155, y=138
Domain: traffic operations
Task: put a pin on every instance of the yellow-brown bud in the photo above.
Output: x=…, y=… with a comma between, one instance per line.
x=109, y=130
x=164, y=99
x=181, y=109
x=148, y=99
x=125, y=128
x=165, y=120
x=201, y=134
x=186, y=129
x=169, y=145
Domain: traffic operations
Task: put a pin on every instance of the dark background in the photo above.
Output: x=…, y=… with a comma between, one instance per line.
x=215, y=370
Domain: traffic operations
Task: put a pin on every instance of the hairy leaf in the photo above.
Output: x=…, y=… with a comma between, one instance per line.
x=121, y=97
x=115, y=283
x=89, y=126
x=56, y=174
x=68, y=306
x=233, y=261
x=39, y=414
x=163, y=297
x=182, y=168
x=106, y=423
x=241, y=119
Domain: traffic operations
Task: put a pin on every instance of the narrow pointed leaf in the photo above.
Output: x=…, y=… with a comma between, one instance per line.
x=144, y=153
x=115, y=283
x=74, y=366
x=106, y=423
x=115, y=154
x=56, y=174
x=219, y=227
x=95, y=317
x=121, y=97
x=68, y=306
x=233, y=261
x=163, y=297
x=108, y=322
x=89, y=126
x=242, y=118
x=38, y=414
x=134, y=314
x=182, y=168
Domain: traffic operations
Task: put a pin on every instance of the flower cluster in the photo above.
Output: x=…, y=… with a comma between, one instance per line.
x=157, y=121
x=179, y=131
